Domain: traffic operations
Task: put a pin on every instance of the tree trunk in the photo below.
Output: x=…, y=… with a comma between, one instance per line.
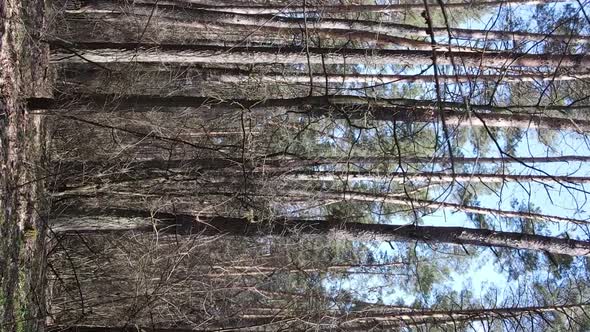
x=185, y=54
x=133, y=328
x=122, y=21
x=266, y=172
x=461, y=119
x=188, y=224
x=368, y=319
x=320, y=79
x=131, y=186
x=298, y=9
x=130, y=102
x=187, y=77
x=336, y=107
x=368, y=269
x=402, y=199
x=363, y=321
x=274, y=164
x=188, y=16
x=430, y=177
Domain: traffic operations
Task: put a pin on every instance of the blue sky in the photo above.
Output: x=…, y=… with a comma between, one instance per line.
x=482, y=273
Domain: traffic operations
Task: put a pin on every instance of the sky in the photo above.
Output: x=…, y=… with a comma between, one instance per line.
x=482, y=273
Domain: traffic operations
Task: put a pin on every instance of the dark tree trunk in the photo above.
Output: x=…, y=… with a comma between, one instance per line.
x=342, y=107
x=188, y=224
x=293, y=163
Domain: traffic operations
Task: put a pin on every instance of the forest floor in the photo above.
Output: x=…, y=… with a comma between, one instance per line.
x=24, y=61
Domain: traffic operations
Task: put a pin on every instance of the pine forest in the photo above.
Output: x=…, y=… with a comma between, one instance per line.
x=294, y=165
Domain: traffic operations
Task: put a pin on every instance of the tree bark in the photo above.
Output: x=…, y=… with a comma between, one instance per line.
x=368, y=269
x=130, y=102
x=281, y=9
x=187, y=16
x=430, y=177
x=413, y=203
x=97, y=328
x=186, y=76
x=460, y=119
x=320, y=79
x=340, y=107
x=368, y=319
x=177, y=186
x=97, y=53
x=372, y=38
x=189, y=224
x=294, y=163
x=362, y=321
x=187, y=173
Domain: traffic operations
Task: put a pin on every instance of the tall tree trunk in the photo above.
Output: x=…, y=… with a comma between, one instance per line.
x=186, y=77
x=369, y=319
x=184, y=54
x=402, y=199
x=188, y=224
x=98, y=328
x=365, y=320
x=131, y=102
x=187, y=16
x=251, y=271
x=65, y=169
x=459, y=119
x=337, y=107
x=274, y=164
x=131, y=186
x=332, y=9
x=187, y=173
x=430, y=177
x=320, y=79
x=250, y=32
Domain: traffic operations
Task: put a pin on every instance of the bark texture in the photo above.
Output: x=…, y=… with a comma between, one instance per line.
x=336, y=107
x=279, y=9
x=199, y=15
x=188, y=224
x=97, y=52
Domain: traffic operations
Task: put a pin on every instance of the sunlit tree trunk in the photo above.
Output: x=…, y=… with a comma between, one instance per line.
x=254, y=270
x=365, y=320
x=431, y=177
x=187, y=78
x=213, y=26
x=373, y=319
x=267, y=172
x=296, y=8
x=185, y=16
x=185, y=54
